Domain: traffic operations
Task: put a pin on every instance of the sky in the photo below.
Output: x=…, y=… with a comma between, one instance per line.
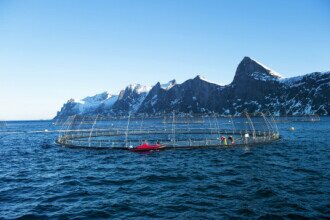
x=51, y=51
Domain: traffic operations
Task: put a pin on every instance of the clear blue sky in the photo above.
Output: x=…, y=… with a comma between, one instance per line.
x=51, y=51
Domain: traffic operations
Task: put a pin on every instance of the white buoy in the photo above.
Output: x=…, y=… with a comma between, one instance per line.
x=46, y=130
x=292, y=129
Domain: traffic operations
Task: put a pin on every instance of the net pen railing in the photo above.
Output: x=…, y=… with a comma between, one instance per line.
x=171, y=131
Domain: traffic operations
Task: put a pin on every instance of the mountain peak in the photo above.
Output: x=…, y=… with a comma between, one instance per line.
x=97, y=97
x=251, y=67
x=200, y=77
x=138, y=88
x=247, y=59
x=168, y=85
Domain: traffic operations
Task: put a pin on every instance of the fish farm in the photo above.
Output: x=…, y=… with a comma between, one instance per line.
x=298, y=118
x=169, y=131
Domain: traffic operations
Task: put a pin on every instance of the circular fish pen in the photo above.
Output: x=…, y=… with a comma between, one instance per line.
x=168, y=131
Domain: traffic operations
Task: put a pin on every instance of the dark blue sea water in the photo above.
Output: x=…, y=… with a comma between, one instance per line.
x=289, y=178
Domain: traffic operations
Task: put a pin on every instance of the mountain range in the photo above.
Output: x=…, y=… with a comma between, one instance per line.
x=254, y=88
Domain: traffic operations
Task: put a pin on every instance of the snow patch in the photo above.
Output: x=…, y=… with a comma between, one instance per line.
x=295, y=81
x=174, y=102
x=138, y=88
x=169, y=85
x=205, y=80
x=154, y=100
x=272, y=72
x=91, y=103
x=263, y=76
x=136, y=105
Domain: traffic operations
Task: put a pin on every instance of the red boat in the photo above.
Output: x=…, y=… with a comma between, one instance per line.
x=147, y=147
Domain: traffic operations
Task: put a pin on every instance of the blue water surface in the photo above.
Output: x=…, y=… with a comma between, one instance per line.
x=286, y=179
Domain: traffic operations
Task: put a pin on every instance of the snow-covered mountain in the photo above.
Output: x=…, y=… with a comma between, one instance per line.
x=254, y=88
x=100, y=103
x=130, y=99
x=194, y=95
x=257, y=88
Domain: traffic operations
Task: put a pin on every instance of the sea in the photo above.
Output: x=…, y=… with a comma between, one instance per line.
x=287, y=179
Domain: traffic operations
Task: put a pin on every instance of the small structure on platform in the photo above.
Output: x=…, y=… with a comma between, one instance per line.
x=170, y=131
